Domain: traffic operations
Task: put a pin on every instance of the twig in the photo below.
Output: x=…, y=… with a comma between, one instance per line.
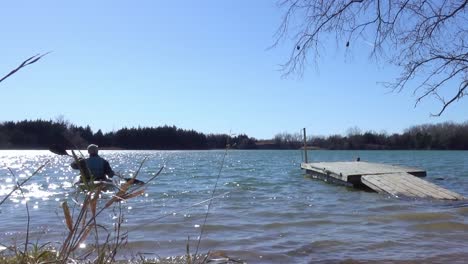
x=211, y=200
x=29, y=216
x=22, y=183
x=25, y=63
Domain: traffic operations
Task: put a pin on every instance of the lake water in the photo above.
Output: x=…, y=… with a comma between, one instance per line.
x=266, y=210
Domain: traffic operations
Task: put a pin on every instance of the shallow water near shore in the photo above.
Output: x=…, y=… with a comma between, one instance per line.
x=266, y=209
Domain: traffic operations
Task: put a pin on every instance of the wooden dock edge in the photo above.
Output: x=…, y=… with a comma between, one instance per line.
x=395, y=183
x=349, y=180
x=327, y=178
x=406, y=185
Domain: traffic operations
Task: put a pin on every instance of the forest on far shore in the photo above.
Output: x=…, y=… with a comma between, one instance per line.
x=40, y=134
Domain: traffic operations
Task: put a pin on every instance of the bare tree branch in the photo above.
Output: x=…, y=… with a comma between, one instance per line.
x=459, y=95
x=25, y=63
x=426, y=39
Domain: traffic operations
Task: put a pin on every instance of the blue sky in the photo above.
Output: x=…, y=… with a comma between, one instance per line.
x=202, y=65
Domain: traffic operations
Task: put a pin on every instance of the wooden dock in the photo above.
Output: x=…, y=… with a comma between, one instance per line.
x=399, y=181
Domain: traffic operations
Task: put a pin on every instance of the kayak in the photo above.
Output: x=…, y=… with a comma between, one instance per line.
x=106, y=185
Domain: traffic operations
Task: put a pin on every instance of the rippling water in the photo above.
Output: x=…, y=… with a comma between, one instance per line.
x=273, y=213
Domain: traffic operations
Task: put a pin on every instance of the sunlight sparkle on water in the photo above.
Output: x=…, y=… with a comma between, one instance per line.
x=53, y=186
x=37, y=191
x=66, y=184
x=6, y=189
x=288, y=208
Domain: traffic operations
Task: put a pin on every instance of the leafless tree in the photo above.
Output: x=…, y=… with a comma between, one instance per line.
x=426, y=39
x=25, y=63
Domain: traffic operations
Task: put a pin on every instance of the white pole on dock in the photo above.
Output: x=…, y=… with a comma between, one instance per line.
x=305, y=147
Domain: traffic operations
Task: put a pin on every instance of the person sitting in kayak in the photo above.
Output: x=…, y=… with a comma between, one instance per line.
x=94, y=167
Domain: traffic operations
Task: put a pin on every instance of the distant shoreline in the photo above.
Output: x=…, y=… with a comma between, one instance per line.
x=41, y=134
x=253, y=149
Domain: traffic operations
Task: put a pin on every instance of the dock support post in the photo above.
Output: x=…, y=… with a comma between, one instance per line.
x=305, y=147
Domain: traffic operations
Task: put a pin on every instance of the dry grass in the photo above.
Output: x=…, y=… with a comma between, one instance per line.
x=84, y=227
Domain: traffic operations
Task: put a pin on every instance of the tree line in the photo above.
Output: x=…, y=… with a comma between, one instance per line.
x=443, y=136
x=40, y=134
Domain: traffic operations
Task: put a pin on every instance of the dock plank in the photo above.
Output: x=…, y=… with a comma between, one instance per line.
x=354, y=168
x=404, y=184
x=383, y=178
x=438, y=189
x=398, y=187
x=380, y=186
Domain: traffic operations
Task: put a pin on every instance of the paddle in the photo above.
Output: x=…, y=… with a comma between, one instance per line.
x=60, y=150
